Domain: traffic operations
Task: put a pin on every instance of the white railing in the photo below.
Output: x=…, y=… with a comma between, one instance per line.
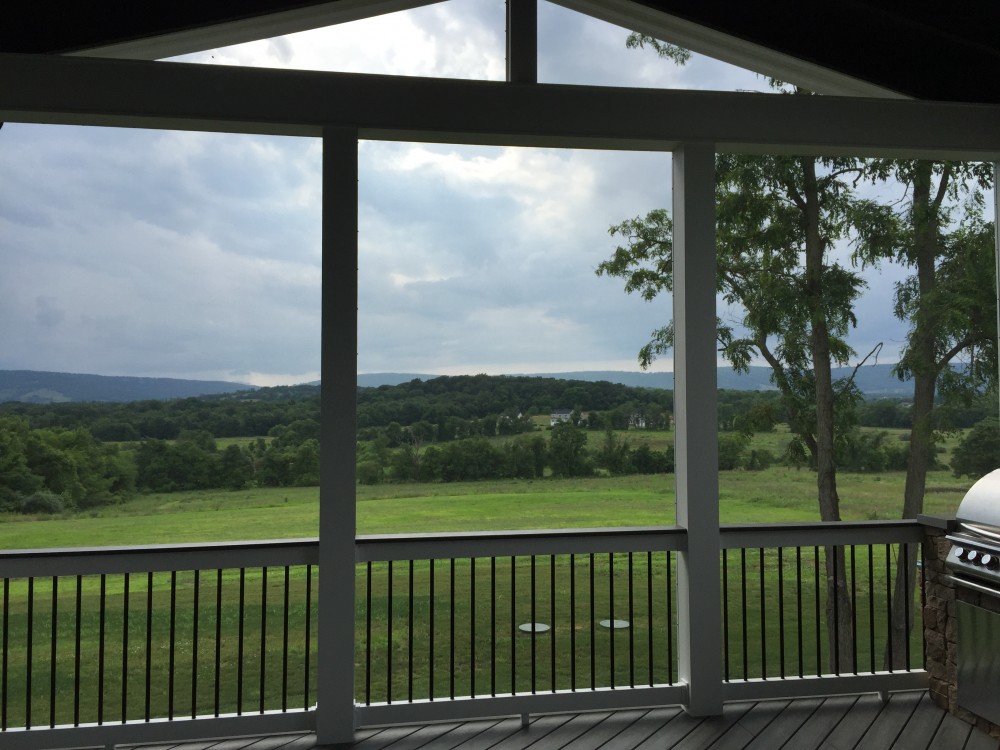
x=173, y=642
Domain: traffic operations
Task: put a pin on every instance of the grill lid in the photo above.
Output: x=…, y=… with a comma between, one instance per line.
x=979, y=510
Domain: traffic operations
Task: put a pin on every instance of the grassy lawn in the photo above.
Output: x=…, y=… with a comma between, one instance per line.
x=574, y=652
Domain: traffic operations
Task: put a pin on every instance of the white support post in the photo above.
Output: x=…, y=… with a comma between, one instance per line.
x=696, y=438
x=338, y=396
x=522, y=41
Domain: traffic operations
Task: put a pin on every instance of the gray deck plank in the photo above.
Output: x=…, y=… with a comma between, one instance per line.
x=461, y=733
x=385, y=738
x=714, y=727
x=670, y=733
x=641, y=729
x=422, y=736
x=921, y=727
x=981, y=741
x=521, y=737
x=817, y=727
x=607, y=730
x=890, y=722
x=909, y=721
x=953, y=732
x=854, y=725
x=571, y=730
x=488, y=737
x=742, y=733
x=786, y=723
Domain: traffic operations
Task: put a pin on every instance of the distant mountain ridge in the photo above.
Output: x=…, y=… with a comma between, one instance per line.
x=37, y=387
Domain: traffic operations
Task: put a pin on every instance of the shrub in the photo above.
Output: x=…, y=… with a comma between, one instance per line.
x=42, y=502
x=979, y=452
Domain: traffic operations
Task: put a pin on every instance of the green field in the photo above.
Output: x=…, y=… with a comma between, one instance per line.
x=775, y=495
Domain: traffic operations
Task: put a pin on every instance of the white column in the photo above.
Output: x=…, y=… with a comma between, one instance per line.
x=696, y=439
x=522, y=41
x=338, y=396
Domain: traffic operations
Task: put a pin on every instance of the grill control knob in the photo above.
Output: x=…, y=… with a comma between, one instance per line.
x=990, y=561
x=973, y=557
x=959, y=552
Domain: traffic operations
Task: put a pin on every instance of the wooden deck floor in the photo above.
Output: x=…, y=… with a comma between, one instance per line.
x=909, y=721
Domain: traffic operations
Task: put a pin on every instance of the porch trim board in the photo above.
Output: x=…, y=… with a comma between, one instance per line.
x=160, y=730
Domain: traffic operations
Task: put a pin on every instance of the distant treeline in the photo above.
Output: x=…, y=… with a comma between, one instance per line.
x=78, y=455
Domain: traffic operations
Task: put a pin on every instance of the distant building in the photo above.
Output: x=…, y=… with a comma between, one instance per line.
x=564, y=415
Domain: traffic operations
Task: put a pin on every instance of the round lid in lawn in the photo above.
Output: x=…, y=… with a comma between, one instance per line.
x=534, y=627
x=614, y=624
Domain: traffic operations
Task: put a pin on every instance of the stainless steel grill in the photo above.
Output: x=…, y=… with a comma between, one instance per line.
x=974, y=563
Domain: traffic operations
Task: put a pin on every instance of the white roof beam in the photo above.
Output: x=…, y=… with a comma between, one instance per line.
x=127, y=93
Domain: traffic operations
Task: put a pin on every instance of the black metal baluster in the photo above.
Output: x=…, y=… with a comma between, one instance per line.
x=388, y=648
x=854, y=608
x=572, y=622
x=173, y=641
x=125, y=619
x=908, y=594
x=218, y=638
x=888, y=606
x=6, y=650
x=781, y=612
x=493, y=626
x=149, y=645
x=409, y=638
x=263, y=638
x=52, y=653
x=472, y=626
x=284, y=643
x=871, y=606
x=76, y=655
x=593, y=629
x=611, y=613
x=534, y=638
x=725, y=612
x=631, y=627
x=670, y=620
x=239, y=643
x=430, y=676
x=196, y=598
x=743, y=596
x=368, y=632
x=763, y=619
x=451, y=639
x=513, y=626
x=552, y=619
x=798, y=606
x=308, y=634
x=100, y=650
x=819, y=660
x=649, y=614
x=836, y=611
x=28, y=653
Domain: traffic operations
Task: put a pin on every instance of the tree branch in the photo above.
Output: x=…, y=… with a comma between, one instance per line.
x=850, y=381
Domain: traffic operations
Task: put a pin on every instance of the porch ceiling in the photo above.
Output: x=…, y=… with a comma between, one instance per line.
x=854, y=46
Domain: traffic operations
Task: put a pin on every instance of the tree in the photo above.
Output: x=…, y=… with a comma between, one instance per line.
x=950, y=304
x=979, y=452
x=778, y=221
x=567, y=451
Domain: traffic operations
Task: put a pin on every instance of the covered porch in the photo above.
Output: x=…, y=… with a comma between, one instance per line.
x=369, y=633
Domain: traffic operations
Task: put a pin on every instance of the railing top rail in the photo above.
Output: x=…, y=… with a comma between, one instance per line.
x=385, y=547
x=22, y=563
x=805, y=534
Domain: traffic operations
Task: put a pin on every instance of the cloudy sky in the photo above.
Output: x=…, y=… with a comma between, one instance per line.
x=197, y=255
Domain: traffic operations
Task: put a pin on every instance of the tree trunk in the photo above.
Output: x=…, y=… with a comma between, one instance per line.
x=923, y=361
x=839, y=612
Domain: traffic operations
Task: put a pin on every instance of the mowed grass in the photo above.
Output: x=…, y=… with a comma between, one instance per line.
x=776, y=495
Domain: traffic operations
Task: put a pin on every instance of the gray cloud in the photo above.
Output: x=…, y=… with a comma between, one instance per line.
x=198, y=255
